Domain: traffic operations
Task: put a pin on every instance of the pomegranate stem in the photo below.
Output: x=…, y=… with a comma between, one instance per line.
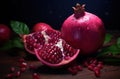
x=78, y=10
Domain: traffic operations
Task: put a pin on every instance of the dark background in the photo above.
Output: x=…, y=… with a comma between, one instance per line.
x=54, y=12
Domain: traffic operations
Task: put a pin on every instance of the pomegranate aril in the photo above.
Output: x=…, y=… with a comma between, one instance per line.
x=23, y=69
x=90, y=67
x=97, y=73
x=37, y=45
x=12, y=69
x=23, y=64
x=28, y=37
x=96, y=68
x=95, y=61
x=67, y=57
x=10, y=76
x=100, y=65
x=35, y=76
x=79, y=68
x=93, y=64
x=18, y=73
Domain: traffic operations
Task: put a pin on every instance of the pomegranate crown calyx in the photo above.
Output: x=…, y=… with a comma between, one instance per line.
x=79, y=8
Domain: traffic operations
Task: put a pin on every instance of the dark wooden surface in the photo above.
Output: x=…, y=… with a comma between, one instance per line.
x=7, y=61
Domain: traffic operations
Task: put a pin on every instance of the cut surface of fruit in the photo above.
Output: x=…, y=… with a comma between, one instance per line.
x=38, y=39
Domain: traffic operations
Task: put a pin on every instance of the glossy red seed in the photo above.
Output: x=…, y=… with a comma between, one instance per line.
x=12, y=69
x=10, y=76
x=94, y=61
x=93, y=65
x=100, y=66
x=18, y=73
x=90, y=67
x=23, y=64
x=97, y=73
x=96, y=68
x=36, y=76
x=79, y=68
x=23, y=69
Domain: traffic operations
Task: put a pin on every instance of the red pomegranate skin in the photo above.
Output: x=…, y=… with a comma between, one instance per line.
x=84, y=31
x=5, y=33
x=40, y=26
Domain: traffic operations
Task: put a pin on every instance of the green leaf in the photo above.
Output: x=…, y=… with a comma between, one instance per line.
x=107, y=38
x=19, y=27
x=15, y=42
x=18, y=43
x=113, y=49
x=111, y=60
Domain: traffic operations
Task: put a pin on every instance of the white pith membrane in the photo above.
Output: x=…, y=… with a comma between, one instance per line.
x=59, y=44
x=45, y=36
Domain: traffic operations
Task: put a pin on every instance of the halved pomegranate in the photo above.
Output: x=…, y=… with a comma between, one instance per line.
x=56, y=54
x=50, y=48
x=37, y=39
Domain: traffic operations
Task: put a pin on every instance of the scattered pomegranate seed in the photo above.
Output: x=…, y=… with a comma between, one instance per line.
x=97, y=73
x=12, y=69
x=93, y=64
x=79, y=68
x=22, y=69
x=10, y=76
x=23, y=64
x=100, y=65
x=90, y=67
x=36, y=76
x=96, y=69
x=94, y=61
x=18, y=73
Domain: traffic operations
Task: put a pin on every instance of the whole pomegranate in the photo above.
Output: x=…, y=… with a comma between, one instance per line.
x=41, y=26
x=83, y=30
x=5, y=33
x=50, y=48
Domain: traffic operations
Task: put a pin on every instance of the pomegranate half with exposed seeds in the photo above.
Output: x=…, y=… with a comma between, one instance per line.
x=50, y=48
x=83, y=30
